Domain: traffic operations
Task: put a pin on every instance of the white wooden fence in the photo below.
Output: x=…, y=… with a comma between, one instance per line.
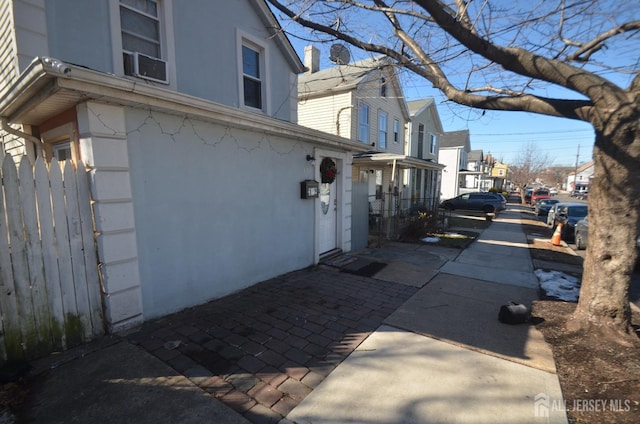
x=50, y=297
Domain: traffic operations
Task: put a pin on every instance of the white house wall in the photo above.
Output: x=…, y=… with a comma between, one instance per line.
x=369, y=93
x=217, y=209
x=321, y=113
x=451, y=159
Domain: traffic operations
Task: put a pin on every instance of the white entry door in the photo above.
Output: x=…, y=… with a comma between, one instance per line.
x=328, y=222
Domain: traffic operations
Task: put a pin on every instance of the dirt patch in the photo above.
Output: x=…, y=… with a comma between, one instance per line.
x=600, y=380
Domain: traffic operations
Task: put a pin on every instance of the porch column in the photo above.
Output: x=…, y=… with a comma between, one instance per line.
x=103, y=149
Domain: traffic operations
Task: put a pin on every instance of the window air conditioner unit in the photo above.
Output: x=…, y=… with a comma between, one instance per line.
x=149, y=68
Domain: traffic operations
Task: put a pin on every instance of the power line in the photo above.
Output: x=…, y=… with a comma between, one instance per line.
x=532, y=133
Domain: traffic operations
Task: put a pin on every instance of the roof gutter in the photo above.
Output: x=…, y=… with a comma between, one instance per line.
x=92, y=84
x=35, y=74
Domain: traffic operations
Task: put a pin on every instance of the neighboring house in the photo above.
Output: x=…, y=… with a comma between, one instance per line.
x=584, y=174
x=363, y=101
x=483, y=173
x=499, y=175
x=476, y=174
x=424, y=130
x=185, y=118
x=454, y=149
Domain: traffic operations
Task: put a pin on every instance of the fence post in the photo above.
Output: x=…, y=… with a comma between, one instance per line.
x=11, y=337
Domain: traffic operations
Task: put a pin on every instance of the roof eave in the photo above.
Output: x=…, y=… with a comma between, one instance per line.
x=77, y=84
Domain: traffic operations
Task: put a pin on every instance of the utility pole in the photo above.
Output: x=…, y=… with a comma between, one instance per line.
x=575, y=175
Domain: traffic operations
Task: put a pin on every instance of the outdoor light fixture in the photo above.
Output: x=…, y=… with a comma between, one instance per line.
x=310, y=158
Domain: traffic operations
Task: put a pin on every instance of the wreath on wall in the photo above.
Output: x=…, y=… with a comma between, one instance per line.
x=328, y=170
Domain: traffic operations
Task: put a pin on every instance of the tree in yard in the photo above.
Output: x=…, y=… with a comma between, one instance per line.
x=556, y=176
x=527, y=166
x=574, y=59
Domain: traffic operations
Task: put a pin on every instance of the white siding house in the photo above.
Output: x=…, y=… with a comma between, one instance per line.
x=195, y=159
x=364, y=102
x=424, y=133
x=454, y=149
x=584, y=173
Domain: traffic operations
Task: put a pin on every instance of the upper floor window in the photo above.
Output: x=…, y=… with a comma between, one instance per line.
x=252, y=76
x=382, y=130
x=383, y=87
x=432, y=144
x=363, y=122
x=141, y=40
x=396, y=130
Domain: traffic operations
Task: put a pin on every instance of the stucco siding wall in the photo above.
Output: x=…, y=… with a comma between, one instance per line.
x=207, y=59
x=201, y=44
x=81, y=33
x=30, y=31
x=217, y=209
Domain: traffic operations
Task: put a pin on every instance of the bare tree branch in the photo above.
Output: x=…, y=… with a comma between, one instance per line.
x=586, y=50
x=422, y=64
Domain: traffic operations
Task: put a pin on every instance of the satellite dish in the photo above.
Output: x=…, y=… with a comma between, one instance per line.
x=339, y=54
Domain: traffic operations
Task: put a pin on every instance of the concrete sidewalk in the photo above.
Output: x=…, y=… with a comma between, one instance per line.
x=419, y=342
x=443, y=356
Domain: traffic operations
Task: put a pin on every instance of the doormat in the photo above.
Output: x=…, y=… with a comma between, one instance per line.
x=340, y=261
x=368, y=270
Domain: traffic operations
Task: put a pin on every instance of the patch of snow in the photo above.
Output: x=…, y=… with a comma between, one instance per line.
x=431, y=239
x=559, y=285
x=455, y=235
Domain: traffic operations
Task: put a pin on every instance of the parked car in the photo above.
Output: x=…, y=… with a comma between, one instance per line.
x=539, y=195
x=527, y=195
x=581, y=192
x=543, y=206
x=568, y=214
x=486, y=202
x=553, y=191
x=581, y=237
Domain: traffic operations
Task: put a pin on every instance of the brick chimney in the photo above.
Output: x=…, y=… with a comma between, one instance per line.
x=311, y=59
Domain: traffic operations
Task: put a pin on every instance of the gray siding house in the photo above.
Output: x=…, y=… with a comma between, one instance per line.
x=184, y=114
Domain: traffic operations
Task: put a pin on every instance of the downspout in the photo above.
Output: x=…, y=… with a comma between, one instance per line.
x=338, y=118
x=48, y=65
x=37, y=143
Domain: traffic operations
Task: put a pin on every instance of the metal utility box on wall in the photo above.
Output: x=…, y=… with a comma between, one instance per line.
x=309, y=189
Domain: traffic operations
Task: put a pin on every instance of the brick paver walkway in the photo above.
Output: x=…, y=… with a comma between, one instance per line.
x=264, y=349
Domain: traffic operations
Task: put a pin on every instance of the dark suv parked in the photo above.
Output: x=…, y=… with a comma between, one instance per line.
x=486, y=202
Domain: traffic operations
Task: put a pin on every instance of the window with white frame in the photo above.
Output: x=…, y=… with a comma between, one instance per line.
x=396, y=130
x=252, y=75
x=60, y=144
x=382, y=129
x=62, y=151
x=141, y=35
x=433, y=143
x=383, y=87
x=363, y=122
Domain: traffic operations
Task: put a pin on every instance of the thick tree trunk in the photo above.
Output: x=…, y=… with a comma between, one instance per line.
x=614, y=219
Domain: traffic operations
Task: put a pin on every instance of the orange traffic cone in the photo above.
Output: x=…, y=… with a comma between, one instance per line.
x=557, y=235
